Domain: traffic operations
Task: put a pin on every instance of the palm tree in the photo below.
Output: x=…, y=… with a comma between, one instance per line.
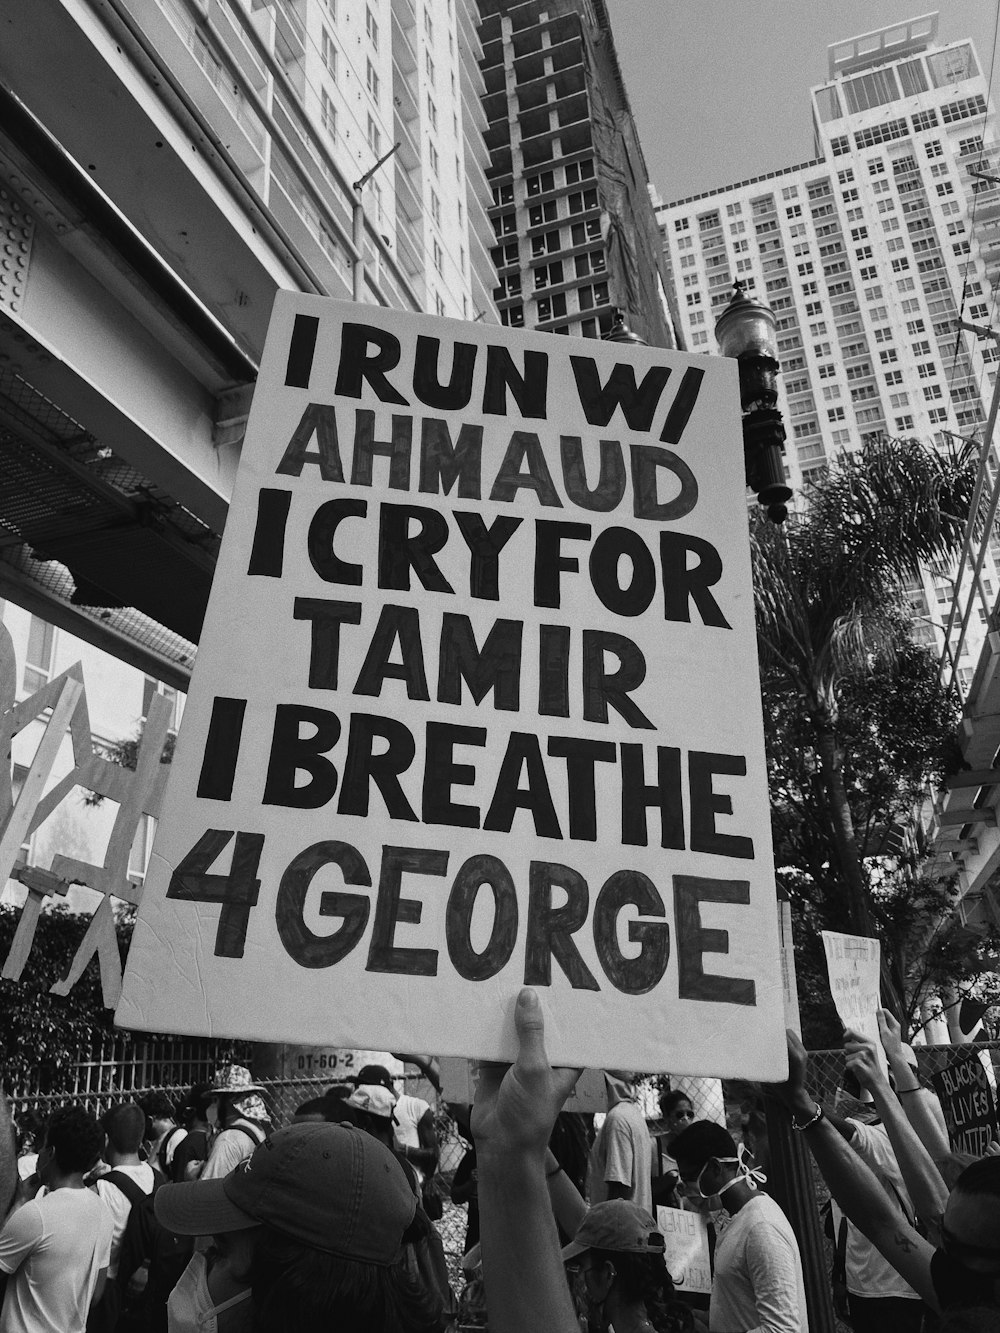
x=828, y=591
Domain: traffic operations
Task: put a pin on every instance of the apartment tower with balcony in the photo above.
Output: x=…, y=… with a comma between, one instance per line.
x=367, y=78
x=575, y=233
x=868, y=255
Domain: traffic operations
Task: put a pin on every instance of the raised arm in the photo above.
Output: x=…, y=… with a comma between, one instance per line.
x=568, y=1204
x=512, y=1119
x=852, y=1184
x=921, y=1107
x=923, y=1182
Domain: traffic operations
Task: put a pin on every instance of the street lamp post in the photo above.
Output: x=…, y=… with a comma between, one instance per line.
x=746, y=331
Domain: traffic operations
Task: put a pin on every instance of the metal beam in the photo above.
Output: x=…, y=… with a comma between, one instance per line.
x=977, y=777
x=986, y=816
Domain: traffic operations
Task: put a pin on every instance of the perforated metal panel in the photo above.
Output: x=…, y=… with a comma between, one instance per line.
x=17, y=229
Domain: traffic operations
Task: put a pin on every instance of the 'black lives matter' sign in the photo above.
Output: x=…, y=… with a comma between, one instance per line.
x=968, y=1103
x=476, y=705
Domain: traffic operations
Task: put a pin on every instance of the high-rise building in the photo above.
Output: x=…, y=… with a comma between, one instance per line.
x=868, y=255
x=575, y=231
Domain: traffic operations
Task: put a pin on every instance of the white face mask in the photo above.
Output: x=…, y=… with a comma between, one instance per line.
x=189, y=1306
x=749, y=1175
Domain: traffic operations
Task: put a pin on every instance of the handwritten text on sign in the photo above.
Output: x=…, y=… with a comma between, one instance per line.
x=967, y=1100
x=476, y=706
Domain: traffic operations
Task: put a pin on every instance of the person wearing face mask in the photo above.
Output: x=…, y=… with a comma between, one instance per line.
x=237, y=1116
x=213, y=1293
x=963, y=1272
x=317, y=1218
x=758, y=1282
x=618, y=1255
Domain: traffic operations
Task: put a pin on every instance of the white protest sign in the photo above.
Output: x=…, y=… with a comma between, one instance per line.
x=854, y=963
x=476, y=705
x=685, y=1237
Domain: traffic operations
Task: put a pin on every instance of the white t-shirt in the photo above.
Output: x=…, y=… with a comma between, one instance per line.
x=623, y=1153
x=868, y=1273
x=119, y=1206
x=229, y=1148
x=758, y=1284
x=409, y=1111
x=55, y=1247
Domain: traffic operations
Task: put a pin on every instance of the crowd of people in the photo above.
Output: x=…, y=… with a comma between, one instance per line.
x=202, y=1217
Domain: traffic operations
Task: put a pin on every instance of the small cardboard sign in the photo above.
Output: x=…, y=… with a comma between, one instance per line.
x=967, y=1101
x=854, y=966
x=685, y=1237
x=476, y=706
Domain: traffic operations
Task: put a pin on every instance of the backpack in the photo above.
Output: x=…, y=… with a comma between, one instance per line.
x=161, y=1156
x=151, y=1259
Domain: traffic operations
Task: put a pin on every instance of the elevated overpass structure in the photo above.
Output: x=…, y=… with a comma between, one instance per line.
x=160, y=180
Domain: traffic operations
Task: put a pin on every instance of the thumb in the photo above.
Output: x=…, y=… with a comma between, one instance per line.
x=888, y=1022
x=529, y=1023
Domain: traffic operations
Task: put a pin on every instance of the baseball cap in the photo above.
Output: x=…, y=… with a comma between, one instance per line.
x=332, y=1187
x=372, y=1074
x=617, y=1225
x=374, y=1099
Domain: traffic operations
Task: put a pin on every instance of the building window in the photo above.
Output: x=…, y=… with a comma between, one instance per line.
x=435, y=161
x=432, y=114
x=151, y=688
x=372, y=80
x=142, y=846
x=438, y=257
x=39, y=655
x=888, y=356
x=329, y=114
x=551, y=307
x=549, y=275
x=371, y=27
x=329, y=54
x=963, y=109
x=374, y=136
x=429, y=65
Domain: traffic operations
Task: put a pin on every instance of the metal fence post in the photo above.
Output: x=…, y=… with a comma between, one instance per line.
x=790, y=1182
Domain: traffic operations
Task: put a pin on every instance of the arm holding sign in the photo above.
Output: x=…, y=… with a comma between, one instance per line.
x=526, y=1290
x=855, y=1188
x=922, y=1108
x=923, y=1182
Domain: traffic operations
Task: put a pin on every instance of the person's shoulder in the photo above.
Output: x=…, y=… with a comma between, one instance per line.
x=416, y=1105
x=143, y=1175
x=766, y=1212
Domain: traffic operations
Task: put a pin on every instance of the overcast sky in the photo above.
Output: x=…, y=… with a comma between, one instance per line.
x=720, y=88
